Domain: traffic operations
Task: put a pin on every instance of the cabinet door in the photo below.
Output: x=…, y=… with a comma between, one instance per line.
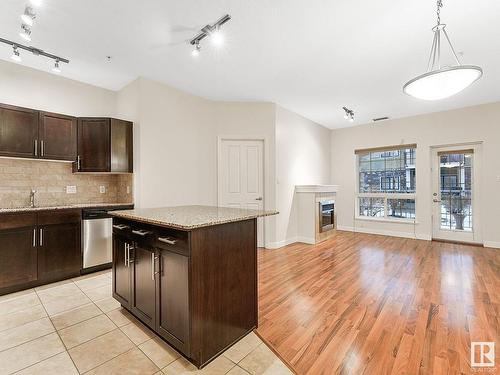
x=57, y=136
x=121, y=146
x=121, y=271
x=143, y=285
x=94, y=145
x=18, y=256
x=59, y=251
x=173, y=299
x=18, y=132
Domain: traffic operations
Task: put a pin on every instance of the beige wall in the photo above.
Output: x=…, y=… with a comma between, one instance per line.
x=478, y=123
x=49, y=179
x=303, y=158
x=32, y=88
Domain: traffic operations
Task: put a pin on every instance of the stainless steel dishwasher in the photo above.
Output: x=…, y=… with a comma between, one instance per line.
x=97, y=237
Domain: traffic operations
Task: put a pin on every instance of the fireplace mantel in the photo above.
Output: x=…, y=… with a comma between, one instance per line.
x=316, y=188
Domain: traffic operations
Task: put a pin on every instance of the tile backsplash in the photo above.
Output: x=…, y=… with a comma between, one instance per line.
x=50, y=179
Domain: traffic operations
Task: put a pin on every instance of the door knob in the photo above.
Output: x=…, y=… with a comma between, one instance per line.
x=258, y=199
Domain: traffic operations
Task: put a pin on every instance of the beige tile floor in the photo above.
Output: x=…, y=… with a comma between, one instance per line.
x=76, y=327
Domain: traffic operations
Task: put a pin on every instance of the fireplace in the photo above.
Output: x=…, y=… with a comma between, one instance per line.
x=326, y=215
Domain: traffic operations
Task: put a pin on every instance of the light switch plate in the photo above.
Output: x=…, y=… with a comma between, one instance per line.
x=71, y=189
x=102, y=189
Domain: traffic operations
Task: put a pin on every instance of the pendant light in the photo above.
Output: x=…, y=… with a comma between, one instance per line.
x=442, y=81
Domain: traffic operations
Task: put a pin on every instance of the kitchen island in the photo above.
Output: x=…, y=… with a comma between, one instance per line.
x=189, y=273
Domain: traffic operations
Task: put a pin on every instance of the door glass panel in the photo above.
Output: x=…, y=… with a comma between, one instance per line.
x=456, y=191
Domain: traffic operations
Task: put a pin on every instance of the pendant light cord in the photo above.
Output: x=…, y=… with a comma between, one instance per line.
x=438, y=12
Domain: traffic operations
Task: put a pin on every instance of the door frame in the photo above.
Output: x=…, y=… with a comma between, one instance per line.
x=477, y=232
x=265, y=168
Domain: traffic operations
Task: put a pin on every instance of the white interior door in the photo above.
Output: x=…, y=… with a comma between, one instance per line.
x=241, y=177
x=455, y=172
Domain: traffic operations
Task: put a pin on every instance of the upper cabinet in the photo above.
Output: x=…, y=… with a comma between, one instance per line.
x=32, y=134
x=94, y=144
x=18, y=132
x=57, y=136
x=104, y=145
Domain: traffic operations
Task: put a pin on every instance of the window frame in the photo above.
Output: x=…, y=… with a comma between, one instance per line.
x=386, y=196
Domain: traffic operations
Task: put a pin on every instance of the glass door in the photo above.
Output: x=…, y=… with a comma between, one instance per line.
x=454, y=191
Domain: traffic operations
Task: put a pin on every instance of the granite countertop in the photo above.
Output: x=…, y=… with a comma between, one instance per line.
x=191, y=217
x=62, y=207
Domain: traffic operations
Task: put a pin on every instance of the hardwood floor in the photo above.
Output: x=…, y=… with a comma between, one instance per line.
x=368, y=304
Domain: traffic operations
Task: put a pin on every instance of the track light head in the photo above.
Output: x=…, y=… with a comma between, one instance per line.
x=197, y=48
x=56, y=68
x=15, y=54
x=28, y=16
x=349, y=114
x=217, y=37
x=25, y=32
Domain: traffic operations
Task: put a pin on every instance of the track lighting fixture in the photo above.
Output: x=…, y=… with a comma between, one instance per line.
x=56, y=68
x=35, y=51
x=349, y=114
x=28, y=16
x=213, y=32
x=15, y=54
x=197, y=48
x=25, y=32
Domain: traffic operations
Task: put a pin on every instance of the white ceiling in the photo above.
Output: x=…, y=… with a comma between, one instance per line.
x=312, y=57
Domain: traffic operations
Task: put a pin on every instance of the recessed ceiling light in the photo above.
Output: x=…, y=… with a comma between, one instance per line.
x=28, y=16
x=15, y=54
x=56, y=68
x=25, y=32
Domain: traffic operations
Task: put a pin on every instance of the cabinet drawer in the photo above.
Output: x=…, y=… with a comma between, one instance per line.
x=65, y=216
x=17, y=220
x=172, y=240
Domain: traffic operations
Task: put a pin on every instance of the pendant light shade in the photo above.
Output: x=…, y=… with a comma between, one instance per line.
x=441, y=82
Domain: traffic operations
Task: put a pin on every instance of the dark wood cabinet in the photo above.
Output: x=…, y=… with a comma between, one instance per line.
x=18, y=132
x=105, y=145
x=173, y=299
x=59, y=244
x=18, y=250
x=121, y=271
x=94, y=145
x=197, y=288
x=143, y=302
x=37, y=248
x=57, y=136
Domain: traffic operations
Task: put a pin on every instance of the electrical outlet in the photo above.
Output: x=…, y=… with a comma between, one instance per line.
x=71, y=189
x=128, y=189
x=102, y=189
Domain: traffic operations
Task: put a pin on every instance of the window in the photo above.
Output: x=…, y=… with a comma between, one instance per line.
x=387, y=182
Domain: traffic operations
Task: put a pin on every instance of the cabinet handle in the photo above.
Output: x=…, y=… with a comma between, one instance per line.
x=41, y=148
x=78, y=162
x=129, y=247
x=141, y=232
x=153, y=266
x=120, y=226
x=125, y=248
x=41, y=236
x=34, y=237
x=167, y=240
x=36, y=147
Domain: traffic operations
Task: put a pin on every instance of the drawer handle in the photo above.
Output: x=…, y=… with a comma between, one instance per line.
x=141, y=232
x=120, y=226
x=167, y=241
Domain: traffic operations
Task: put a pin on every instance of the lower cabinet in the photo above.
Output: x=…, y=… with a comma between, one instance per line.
x=173, y=299
x=18, y=250
x=121, y=270
x=37, y=248
x=143, y=301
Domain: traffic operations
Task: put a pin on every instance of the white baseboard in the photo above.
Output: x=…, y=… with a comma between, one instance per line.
x=492, y=244
x=289, y=241
x=390, y=233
